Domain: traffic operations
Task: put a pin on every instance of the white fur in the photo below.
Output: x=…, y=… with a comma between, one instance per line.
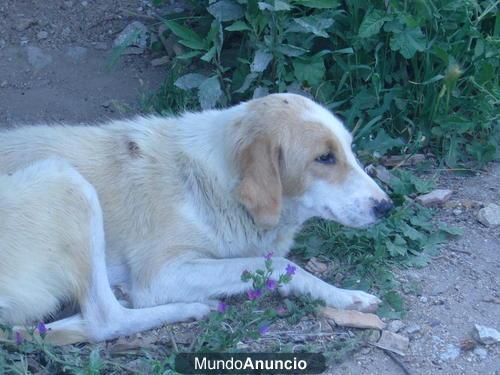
x=176, y=236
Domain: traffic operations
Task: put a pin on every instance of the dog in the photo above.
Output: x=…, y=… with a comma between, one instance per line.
x=174, y=209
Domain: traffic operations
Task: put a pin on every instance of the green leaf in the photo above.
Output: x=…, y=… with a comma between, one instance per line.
x=318, y=4
x=408, y=42
x=238, y=26
x=316, y=24
x=310, y=70
x=183, y=32
x=260, y=61
x=188, y=55
x=209, y=55
x=372, y=23
x=193, y=44
x=226, y=10
x=190, y=81
x=292, y=51
x=279, y=5
x=209, y=92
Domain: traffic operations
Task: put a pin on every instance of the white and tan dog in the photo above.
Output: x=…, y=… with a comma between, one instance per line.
x=186, y=204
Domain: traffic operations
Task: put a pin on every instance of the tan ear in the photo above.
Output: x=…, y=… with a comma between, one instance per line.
x=260, y=188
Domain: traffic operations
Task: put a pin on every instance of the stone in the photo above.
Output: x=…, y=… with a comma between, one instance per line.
x=354, y=319
x=424, y=299
x=481, y=352
x=395, y=326
x=380, y=172
x=486, y=335
x=412, y=329
x=316, y=266
x=42, y=35
x=102, y=46
x=25, y=23
x=37, y=58
x=3, y=43
x=490, y=215
x=452, y=352
x=132, y=51
x=66, y=31
x=393, y=342
x=160, y=61
x=434, y=198
x=134, y=35
x=398, y=160
x=76, y=53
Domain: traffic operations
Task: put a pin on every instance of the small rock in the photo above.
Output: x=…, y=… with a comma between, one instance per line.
x=489, y=215
x=4, y=84
x=3, y=43
x=395, y=326
x=25, y=23
x=481, y=352
x=486, y=335
x=76, y=53
x=380, y=172
x=103, y=46
x=66, y=31
x=316, y=266
x=84, y=3
x=393, y=342
x=373, y=335
x=107, y=103
x=424, y=299
x=160, y=61
x=37, y=58
x=412, y=329
x=351, y=318
x=452, y=352
x=42, y=35
x=366, y=350
x=132, y=51
x=68, y=4
x=394, y=160
x=434, y=198
x=457, y=212
x=135, y=34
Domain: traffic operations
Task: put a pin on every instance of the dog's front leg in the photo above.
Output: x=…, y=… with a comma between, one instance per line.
x=201, y=280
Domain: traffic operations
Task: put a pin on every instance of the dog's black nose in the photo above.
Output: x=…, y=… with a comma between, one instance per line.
x=382, y=208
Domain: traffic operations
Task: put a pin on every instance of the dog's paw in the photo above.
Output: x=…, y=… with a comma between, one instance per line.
x=361, y=301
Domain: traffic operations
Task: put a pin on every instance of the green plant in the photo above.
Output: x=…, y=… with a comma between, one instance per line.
x=405, y=75
x=251, y=319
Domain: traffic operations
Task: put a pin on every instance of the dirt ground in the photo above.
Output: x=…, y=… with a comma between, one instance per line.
x=53, y=59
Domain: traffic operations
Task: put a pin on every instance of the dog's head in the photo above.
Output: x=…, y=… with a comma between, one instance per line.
x=291, y=149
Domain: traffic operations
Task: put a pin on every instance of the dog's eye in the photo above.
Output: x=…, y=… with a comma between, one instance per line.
x=328, y=158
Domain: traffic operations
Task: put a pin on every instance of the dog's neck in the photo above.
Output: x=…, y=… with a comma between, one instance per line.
x=208, y=145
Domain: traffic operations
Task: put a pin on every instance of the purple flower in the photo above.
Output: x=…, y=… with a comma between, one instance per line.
x=271, y=284
x=222, y=307
x=19, y=338
x=269, y=255
x=280, y=310
x=263, y=330
x=41, y=328
x=253, y=294
x=290, y=270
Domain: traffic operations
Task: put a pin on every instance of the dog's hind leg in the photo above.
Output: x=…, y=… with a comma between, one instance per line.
x=102, y=317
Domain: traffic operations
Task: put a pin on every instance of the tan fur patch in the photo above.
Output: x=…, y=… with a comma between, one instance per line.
x=301, y=142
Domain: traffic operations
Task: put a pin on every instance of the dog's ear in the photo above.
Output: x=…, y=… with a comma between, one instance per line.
x=260, y=188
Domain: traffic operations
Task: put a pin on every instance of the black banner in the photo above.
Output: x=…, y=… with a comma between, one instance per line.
x=250, y=363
